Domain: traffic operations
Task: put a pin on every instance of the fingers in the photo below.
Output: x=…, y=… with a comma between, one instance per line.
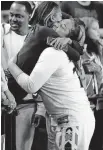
x=36, y=120
x=53, y=42
x=9, y=101
x=3, y=96
x=59, y=45
x=56, y=43
x=12, y=106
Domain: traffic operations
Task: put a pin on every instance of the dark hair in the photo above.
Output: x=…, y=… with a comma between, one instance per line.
x=75, y=33
x=92, y=46
x=26, y=4
x=42, y=11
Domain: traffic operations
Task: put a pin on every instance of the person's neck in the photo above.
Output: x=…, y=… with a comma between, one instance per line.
x=23, y=31
x=86, y=3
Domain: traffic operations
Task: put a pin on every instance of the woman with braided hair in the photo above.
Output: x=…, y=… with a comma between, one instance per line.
x=53, y=76
x=36, y=42
x=47, y=13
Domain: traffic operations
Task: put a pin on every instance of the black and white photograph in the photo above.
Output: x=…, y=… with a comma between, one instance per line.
x=51, y=75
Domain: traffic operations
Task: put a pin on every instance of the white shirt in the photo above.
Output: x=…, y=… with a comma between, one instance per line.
x=4, y=86
x=59, y=86
x=11, y=43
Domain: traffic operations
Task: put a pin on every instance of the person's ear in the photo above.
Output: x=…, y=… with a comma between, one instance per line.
x=53, y=18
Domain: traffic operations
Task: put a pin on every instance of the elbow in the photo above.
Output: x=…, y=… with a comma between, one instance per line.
x=27, y=83
x=30, y=91
x=31, y=88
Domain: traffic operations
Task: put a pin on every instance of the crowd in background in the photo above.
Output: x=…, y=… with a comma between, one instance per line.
x=74, y=28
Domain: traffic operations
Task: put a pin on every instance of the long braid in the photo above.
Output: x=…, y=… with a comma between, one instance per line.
x=42, y=11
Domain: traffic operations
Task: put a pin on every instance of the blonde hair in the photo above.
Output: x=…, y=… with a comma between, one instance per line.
x=49, y=17
x=44, y=12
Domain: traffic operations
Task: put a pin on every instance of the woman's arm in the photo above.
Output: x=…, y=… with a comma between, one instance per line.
x=47, y=64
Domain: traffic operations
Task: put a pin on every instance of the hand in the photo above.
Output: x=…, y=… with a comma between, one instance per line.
x=60, y=43
x=92, y=106
x=36, y=120
x=8, y=101
x=92, y=67
x=95, y=67
x=4, y=99
x=11, y=99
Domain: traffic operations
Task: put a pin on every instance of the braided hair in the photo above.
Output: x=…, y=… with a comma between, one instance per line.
x=43, y=13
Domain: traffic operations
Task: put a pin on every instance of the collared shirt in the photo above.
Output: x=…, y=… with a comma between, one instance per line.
x=11, y=44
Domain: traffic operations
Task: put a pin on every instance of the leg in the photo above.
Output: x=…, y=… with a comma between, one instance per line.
x=2, y=131
x=71, y=135
x=24, y=129
x=86, y=132
x=97, y=139
x=62, y=137
x=2, y=142
x=51, y=135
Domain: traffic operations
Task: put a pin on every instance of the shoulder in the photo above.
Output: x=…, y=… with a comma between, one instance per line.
x=52, y=58
x=51, y=53
x=5, y=28
x=45, y=31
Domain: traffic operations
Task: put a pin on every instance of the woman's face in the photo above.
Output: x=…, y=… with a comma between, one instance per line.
x=93, y=31
x=64, y=27
x=55, y=16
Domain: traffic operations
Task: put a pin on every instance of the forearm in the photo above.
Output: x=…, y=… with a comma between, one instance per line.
x=21, y=78
x=46, y=66
x=14, y=70
x=73, y=54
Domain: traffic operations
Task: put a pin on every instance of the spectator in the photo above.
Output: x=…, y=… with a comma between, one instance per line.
x=86, y=10
x=26, y=48
x=7, y=97
x=93, y=57
x=94, y=51
x=7, y=104
x=13, y=36
x=27, y=57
